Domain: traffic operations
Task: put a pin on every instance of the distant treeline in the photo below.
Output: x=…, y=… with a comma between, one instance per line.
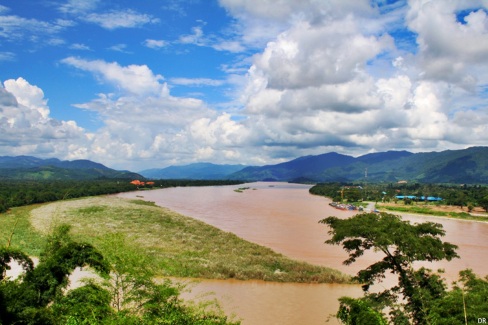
x=456, y=195
x=15, y=193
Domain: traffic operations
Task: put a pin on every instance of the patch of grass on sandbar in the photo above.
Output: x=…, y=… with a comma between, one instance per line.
x=175, y=245
x=431, y=212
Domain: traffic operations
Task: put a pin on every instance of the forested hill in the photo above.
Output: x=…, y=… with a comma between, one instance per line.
x=467, y=166
x=32, y=168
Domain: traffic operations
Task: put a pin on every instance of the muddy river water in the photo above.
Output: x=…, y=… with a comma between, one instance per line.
x=285, y=218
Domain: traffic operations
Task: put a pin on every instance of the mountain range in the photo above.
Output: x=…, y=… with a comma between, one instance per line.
x=32, y=168
x=466, y=166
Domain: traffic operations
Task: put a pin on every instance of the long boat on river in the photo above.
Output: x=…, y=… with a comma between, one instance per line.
x=342, y=206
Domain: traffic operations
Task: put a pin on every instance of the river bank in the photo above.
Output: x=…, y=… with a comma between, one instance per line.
x=285, y=218
x=176, y=245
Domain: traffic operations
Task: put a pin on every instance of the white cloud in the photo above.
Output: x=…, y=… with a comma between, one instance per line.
x=7, y=56
x=196, y=82
x=321, y=76
x=229, y=46
x=25, y=123
x=195, y=38
x=76, y=7
x=136, y=79
x=155, y=44
x=157, y=127
x=119, y=48
x=310, y=56
x=120, y=19
x=18, y=28
x=451, y=50
x=80, y=46
x=4, y=9
x=337, y=82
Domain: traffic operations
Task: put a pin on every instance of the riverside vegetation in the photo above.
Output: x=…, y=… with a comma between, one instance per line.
x=420, y=295
x=14, y=192
x=140, y=245
x=465, y=197
x=126, y=293
x=134, y=233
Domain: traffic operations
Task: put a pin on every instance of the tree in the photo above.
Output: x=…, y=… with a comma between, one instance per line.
x=483, y=202
x=128, y=296
x=26, y=299
x=401, y=244
x=136, y=296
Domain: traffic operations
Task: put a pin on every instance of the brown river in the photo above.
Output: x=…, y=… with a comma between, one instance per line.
x=285, y=218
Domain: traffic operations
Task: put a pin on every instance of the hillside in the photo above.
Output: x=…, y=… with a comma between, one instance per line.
x=303, y=168
x=467, y=166
x=33, y=168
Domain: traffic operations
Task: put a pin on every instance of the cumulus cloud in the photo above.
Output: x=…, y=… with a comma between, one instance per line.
x=308, y=56
x=161, y=128
x=136, y=79
x=335, y=79
x=324, y=76
x=25, y=123
x=156, y=127
x=451, y=50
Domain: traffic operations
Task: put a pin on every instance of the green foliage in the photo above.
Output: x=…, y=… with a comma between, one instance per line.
x=359, y=311
x=29, y=297
x=175, y=245
x=402, y=244
x=128, y=296
x=467, y=301
x=8, y=255
x=14, y=193
x=473, y=195
x=89, y=304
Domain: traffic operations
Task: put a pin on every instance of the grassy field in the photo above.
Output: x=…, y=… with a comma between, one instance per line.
x=175, y=245
x=431, y=210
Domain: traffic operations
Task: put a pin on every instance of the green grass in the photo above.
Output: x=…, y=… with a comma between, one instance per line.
x=15, y=225
x=241, y=189
x=431, y=212
x=175, y=245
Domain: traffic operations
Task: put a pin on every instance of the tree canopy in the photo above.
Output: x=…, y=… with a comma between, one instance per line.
x=128, y=295
x=420, y=296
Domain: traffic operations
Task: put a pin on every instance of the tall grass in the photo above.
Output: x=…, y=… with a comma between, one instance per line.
x=17, y=231
x=175, y=245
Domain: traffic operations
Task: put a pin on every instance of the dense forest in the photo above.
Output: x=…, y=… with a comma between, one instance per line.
x=21, y=192
x=463, y=196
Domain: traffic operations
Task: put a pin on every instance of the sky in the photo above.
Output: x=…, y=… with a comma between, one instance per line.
x=149, y=84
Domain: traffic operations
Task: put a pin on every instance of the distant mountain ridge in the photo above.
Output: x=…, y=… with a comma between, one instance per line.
x=33, y=168
x=467, y=166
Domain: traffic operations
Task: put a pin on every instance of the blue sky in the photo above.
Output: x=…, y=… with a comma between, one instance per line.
x=144, y=84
